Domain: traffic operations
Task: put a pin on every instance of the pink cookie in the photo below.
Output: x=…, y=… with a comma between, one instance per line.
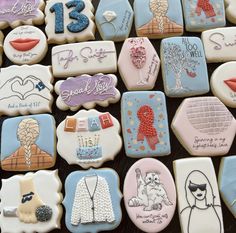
x=138, y=64
x=150, y=195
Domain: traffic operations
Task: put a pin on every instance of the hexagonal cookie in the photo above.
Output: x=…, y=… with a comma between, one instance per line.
x=204, y=126
x=114, y=19
x=138, y=64
x=184, y=69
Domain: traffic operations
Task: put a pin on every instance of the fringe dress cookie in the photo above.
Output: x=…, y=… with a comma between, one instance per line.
x=14, y=13
x=31, y=203
x=28, y=143
x=69, y=21
x=92, y=201
x=158, y=18
x=85, y=138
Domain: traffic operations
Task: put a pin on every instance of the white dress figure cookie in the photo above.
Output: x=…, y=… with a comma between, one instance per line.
x=198, y=196
x=31, y=203
x=69, y=21
x=25, y=89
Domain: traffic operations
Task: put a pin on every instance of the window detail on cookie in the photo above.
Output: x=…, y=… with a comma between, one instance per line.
x=69, y=21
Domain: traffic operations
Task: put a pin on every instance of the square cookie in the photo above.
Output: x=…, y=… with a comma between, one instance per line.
x=184, y=68
x=28, y=143
x=145, y=124
x=158, y=18
x=200, y=15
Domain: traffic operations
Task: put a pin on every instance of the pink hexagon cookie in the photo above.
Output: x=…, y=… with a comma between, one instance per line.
x=150, y=195
x=138, y=64
x=204, y=126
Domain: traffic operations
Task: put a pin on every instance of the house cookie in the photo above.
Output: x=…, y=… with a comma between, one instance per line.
x=230, y=10
x=158, y=18
x=31, y=203
x=92, y=201
x=220, y=44
x=85, y=138
x=25, y=89
x=25, y=45
x=28, y=143
x=14, y=13
x=227, y=183
x=150, y=195
x=198, y=196
x=145, y=124
x=184, y=69
x=87, y=91
x=139, y=58
x=223, y=83
x=204, y=126
x=84, y=58
x=200, y=15
x=114, y=19
x=69, y=21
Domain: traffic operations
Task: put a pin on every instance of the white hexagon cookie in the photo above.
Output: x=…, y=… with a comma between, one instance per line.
x=138, y=64
x=204, y=126
x=231, y=10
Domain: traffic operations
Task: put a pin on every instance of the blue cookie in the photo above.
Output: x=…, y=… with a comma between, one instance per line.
x=145, y=124
x=158, y=18
x=184, y=68
x=114, y=19
x=200, y=15
x=92, y=201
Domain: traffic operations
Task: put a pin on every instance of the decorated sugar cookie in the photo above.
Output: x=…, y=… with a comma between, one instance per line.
x=227, y=182
x=145, y=124
x=87, y=91
x=84, y=58
x=14, y=13
x=85, y=138
x=204, y=126
x=200, y=15
x=1, y=47
x=198, y=196
x=223, y=83
x=231, y=10
x=28, y=143
x=92, y=201
x=158, y=18
x=139, y=58
x=184, y=69
x=25, y=89
x=220, y=44
x=69, y=21
x=150, y=195
x=25, y=45
x=114, y=19
x=31, y=202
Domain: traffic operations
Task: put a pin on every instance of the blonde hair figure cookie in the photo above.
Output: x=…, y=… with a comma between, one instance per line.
x=28, y=143
x=14, y=13
x=31, y=203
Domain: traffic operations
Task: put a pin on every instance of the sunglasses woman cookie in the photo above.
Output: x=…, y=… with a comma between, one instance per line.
x=31, y=203
x=198, y=196
x=92, y=201
x=14, y=13
x=85, y=138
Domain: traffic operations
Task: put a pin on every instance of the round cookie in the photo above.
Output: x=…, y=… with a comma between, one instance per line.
x=149, y=191
x=223, y=83
x=25, y=45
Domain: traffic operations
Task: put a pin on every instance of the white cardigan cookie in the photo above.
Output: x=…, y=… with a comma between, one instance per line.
x=87, y=91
